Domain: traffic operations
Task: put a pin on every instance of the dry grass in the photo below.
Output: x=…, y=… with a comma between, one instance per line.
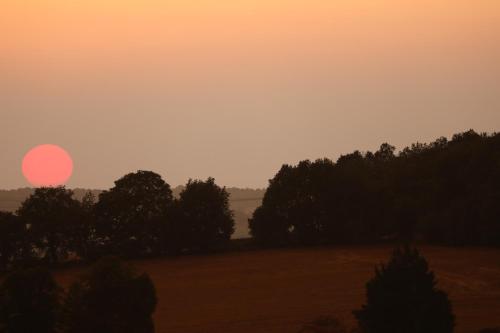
x=279, y=290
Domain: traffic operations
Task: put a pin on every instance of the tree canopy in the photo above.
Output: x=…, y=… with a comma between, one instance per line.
x=444, y=192
x=51, y=215
x=130, y=214
x=204, y=218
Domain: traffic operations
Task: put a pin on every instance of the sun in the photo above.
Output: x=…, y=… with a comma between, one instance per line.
x=47, y=166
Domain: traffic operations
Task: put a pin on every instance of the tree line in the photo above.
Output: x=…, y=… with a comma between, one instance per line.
x=445, y=192
x=137, y=217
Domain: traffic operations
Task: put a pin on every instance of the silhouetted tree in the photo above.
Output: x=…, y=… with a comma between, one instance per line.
x=314, y=202
x=204, y=218
x=131, y=214
x=51, y=215
x=385, y=153
x=271, y=223
x=13, y=245
x=111, y=298
x=306, y=190
x=403, y=298
x=269, y=229
x=352, y=202
x=29, y=302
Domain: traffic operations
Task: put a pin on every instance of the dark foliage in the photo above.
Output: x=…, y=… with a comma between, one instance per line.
x=29, y=302
x=203, y=220
x=137, y=217
x=130, y=215
x=111, y=298
x=51, y=215
x=83, y=235
x=13, y=247
x=403, y=298
x=445, y=192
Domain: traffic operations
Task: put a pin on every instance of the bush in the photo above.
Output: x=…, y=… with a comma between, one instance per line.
x=111, y=298
x=29, y=302
x=402, y=297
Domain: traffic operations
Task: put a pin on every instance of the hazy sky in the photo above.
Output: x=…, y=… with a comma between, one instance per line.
x=235, y=88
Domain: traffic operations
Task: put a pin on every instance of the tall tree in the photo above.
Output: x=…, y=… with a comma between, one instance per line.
x=205, y=220
x=131, y=214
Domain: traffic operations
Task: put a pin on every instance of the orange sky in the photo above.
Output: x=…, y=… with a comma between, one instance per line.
x=62, y=35
x=332, y=75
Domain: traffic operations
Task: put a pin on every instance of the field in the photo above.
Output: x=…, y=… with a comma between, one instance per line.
x=280, y=290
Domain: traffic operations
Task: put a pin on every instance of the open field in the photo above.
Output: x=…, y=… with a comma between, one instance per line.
x=279, y=290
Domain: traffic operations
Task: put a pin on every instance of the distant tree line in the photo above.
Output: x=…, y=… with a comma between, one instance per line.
x=137, y=217
x=445, y=192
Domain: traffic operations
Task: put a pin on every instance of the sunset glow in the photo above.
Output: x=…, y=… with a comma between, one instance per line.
x=321, y=71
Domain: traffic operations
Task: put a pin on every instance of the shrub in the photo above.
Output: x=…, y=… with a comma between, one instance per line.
x=29, y=302
x=402, y=297
x=111, y=298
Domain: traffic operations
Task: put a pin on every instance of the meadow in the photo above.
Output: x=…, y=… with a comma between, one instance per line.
x=280, y=290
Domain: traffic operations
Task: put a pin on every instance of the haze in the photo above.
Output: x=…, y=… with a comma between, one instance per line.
x=233, y=89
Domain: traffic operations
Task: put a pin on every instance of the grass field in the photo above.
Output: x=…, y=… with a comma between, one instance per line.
x=280, y=290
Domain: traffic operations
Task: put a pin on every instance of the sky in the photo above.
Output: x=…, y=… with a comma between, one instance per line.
x=235, y=88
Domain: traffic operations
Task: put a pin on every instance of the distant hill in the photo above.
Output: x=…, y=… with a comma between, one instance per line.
x=10, y=200
x=243, y=202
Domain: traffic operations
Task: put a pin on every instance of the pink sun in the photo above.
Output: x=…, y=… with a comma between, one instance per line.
x=47, y=165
